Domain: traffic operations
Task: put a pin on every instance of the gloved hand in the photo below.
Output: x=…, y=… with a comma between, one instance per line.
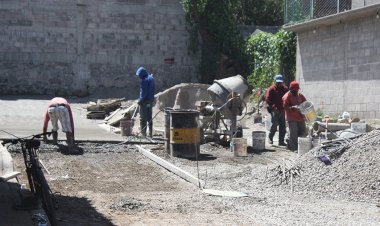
x=44, y=139
x=295, y=107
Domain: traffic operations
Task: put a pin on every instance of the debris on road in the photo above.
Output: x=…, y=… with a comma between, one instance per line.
x=103, y=107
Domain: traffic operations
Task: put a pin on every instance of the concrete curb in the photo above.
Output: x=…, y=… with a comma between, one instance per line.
x=172, y=168
x=6, y=162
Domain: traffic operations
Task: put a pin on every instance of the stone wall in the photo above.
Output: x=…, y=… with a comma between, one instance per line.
x=338, y=65
x=68, y=47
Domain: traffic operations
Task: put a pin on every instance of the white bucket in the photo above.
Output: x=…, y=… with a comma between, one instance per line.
x=268, y=122
x=258, y=140
x=315, y=143
x=239, y=147
x=307, y=109
x=304, y=144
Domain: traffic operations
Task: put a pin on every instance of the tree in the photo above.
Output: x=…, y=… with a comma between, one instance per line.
x=222, y=46
x=271, y=54
x=260, y=12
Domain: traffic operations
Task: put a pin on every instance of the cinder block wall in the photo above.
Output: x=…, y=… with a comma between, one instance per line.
x=338, y=66
x=80, y=47
x=361, y=3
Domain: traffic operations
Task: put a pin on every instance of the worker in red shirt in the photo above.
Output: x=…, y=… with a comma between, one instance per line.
x=275, y=108
x=59, y=110
x=296, y=121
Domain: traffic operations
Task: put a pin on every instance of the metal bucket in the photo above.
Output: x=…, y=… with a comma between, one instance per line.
x=220, y=90
x=239, y=147
x=184, y=133
x=304, y=144
x=126, y=127
x=258, y=140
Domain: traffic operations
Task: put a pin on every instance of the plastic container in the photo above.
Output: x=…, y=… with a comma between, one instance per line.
x=268, y=122
x=258, y=140
x=304, y=145
x=359, y=127
x=307, y=109
x=239, y=147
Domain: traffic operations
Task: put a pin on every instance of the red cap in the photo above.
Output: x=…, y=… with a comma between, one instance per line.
x=294, y=85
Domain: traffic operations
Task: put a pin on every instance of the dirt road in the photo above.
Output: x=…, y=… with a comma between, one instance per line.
x=114, y=184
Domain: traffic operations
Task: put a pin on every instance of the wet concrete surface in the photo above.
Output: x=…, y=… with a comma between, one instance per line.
x=24, y=116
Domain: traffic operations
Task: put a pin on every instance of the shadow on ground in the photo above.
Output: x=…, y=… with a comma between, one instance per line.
x=78, y=211
x=250, y=150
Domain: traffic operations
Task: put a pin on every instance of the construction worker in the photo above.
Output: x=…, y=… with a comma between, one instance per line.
x=275, y=108
x=147, y=89
x=296, y=122
x=59, y=109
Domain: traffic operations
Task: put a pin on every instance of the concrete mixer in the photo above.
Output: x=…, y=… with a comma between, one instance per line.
x=219, y=116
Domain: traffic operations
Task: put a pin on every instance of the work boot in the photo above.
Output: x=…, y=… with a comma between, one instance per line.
x=150, y=131
x=270, y=140
x=70, y=139
x=282, y=143
x=55, y=137
x=143, y=129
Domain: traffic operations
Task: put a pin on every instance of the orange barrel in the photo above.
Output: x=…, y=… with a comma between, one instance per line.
x=184, y=133
x=126, y=127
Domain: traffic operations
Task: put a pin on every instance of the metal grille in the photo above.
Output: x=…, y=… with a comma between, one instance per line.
x=298, y=11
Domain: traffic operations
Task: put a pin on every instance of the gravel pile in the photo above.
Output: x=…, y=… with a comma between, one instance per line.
x=354, y=174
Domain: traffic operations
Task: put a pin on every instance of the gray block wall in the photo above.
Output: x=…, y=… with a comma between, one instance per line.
x=362, y=3
x=338, y=66
x=68, y=47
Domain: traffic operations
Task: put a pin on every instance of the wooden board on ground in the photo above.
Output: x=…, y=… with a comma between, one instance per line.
x=106, y=105
x=8, y=176
x=115, y=119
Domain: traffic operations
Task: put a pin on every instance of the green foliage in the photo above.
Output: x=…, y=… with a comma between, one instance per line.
x=319, y=113
x=264, y=59
x=260, y=12
x=287, y=47
x=213, y=21
x=271, y=54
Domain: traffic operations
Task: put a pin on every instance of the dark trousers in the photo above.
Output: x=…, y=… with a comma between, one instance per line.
x=146, y=118
x=296, y=129
x=278, y=119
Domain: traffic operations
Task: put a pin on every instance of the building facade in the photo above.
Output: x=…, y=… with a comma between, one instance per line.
x=338, y=60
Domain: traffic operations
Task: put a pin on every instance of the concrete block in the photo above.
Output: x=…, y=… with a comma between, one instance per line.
x=359, y=127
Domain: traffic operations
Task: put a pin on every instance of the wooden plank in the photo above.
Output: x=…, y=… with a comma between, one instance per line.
x=172, y=168
x=120, y=115
x=9, y=176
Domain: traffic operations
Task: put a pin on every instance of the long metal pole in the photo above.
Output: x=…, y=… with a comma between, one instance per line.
x=337, y=6
x=311, y=9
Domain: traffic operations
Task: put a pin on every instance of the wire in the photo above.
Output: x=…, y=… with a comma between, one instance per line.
x=137, y=135
x=9, y=133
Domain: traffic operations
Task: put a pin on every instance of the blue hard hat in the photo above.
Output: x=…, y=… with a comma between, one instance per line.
x=278, y=78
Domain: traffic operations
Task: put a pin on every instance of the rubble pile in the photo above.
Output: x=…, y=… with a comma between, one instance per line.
x=351, y=172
